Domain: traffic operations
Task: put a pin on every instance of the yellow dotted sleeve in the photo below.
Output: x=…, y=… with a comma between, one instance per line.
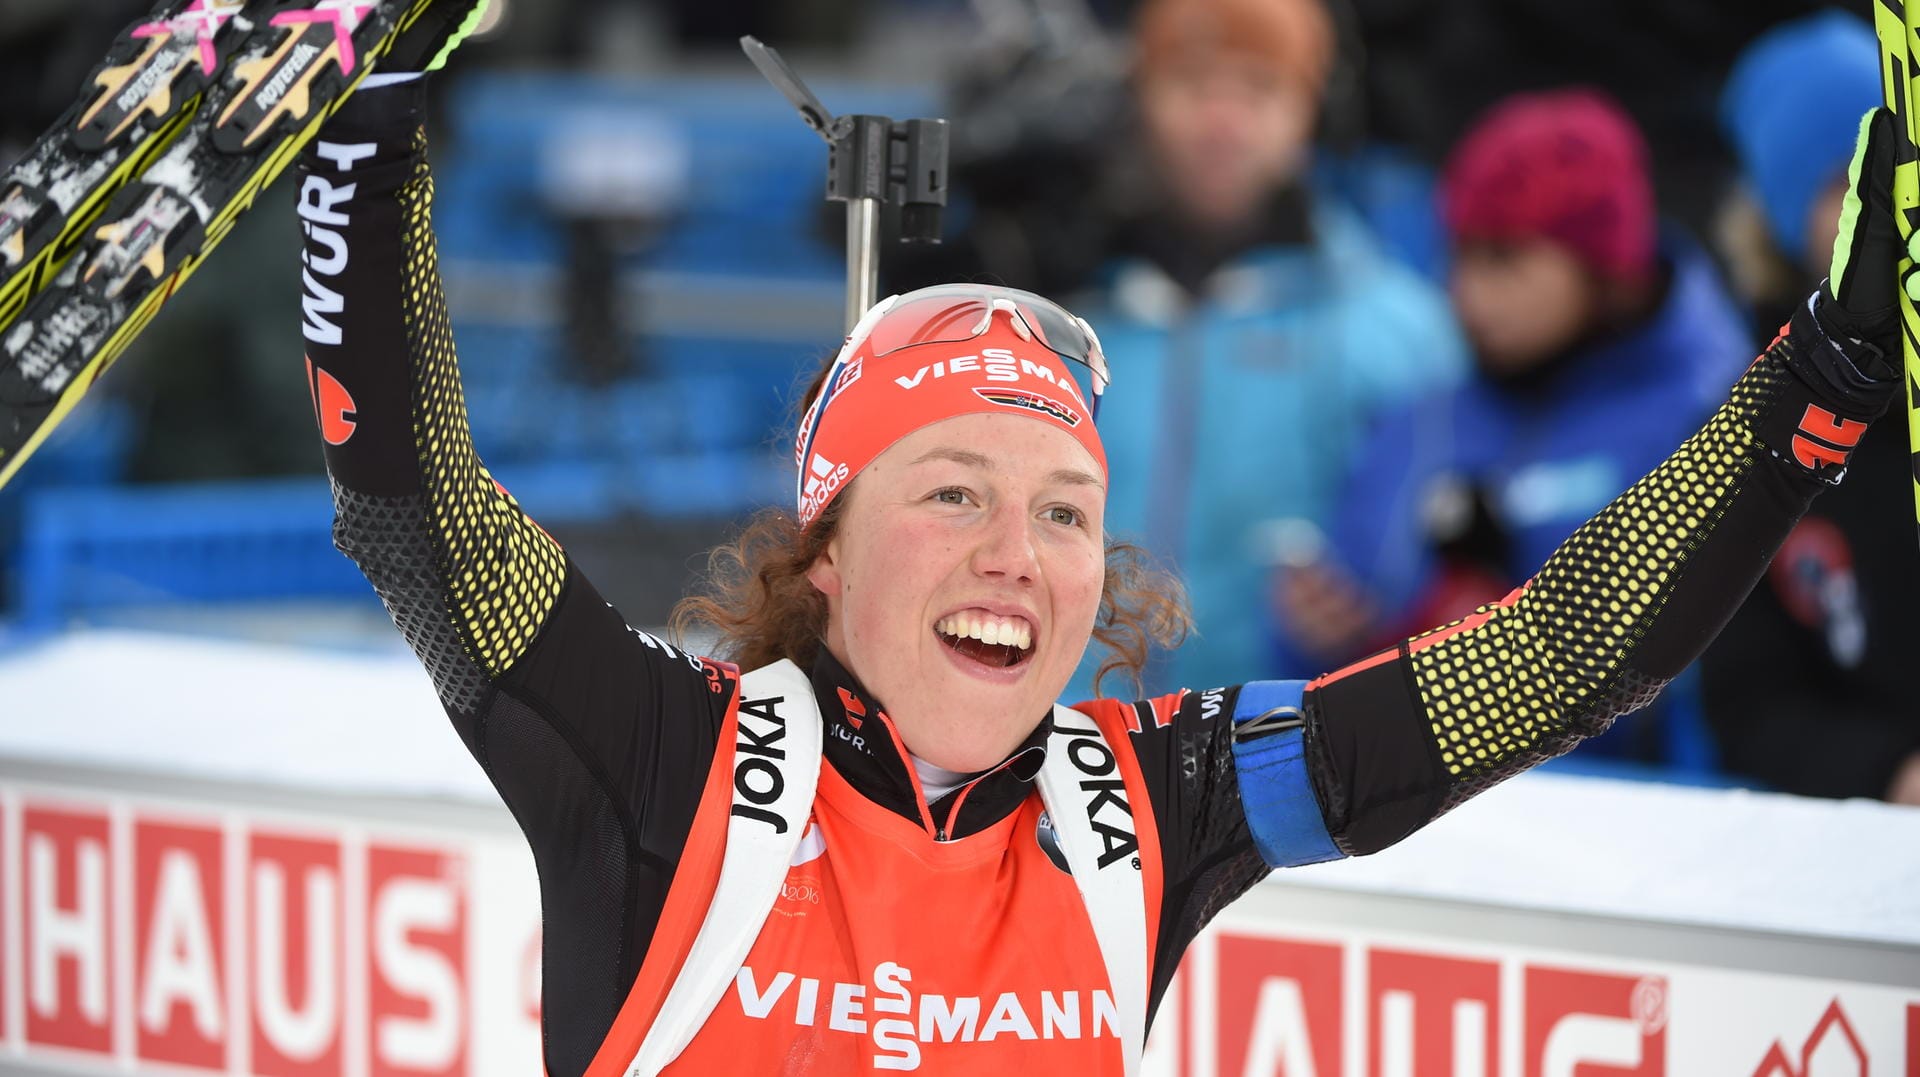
x=1523, y=680
x=503, y=573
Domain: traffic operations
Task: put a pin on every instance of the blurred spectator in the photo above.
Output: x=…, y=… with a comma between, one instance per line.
x=1808, y=687
x=1411, y=76
x=1599, y=345
x=1251, y=327
x=1791, y=109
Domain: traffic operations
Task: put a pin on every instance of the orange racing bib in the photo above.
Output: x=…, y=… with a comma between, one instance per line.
x=879, y=948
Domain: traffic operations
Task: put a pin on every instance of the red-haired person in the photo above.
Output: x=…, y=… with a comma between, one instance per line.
x=867, y=835
x=1259, y=324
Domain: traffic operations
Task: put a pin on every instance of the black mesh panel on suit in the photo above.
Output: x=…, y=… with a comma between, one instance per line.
x=1194, y=902
x=390, y=539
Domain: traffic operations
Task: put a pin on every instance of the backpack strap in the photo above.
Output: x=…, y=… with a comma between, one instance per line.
x=1083, y=786
x=776, y=767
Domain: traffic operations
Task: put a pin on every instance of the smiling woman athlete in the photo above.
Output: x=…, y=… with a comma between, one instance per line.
x=884, y=845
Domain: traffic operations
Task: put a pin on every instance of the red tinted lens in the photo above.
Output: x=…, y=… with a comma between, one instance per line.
x=955, y=313
x=930, y=316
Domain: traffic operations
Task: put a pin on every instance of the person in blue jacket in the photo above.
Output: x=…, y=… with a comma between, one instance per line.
x=1257, y=325
x=1598, y=344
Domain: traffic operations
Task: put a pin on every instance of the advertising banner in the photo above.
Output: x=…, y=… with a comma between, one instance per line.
x=313, y=936
x=167, y=935
x=1261, y=996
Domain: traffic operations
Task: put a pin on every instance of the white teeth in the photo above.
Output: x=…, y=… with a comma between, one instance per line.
x=1010, y=631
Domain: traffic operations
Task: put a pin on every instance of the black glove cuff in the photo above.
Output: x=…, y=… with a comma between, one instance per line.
x=1824, y=407
x=1854, y=358
x=380, y=111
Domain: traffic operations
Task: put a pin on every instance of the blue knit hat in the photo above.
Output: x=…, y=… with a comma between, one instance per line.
x=1792, y=108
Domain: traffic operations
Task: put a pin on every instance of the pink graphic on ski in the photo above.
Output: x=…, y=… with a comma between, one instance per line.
x=203, y=19
x=345, y=15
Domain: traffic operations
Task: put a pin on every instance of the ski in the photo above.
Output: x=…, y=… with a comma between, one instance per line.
x=131, y=106
x=1895, y=23
x=290, y=68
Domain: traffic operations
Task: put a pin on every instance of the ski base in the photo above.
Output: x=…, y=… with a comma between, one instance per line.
x=285, y=78
x=135, y=102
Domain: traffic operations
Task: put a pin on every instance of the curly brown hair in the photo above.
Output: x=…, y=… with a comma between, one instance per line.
x=760, y=602
x=756, y=596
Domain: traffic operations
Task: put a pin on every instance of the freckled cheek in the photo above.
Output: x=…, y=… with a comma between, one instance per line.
x=918, y=553
x=1078, y=583
x=1086, y=610
x=892, y=587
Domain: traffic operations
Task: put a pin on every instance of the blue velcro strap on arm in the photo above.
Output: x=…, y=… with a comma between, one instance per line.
x=1275, y=790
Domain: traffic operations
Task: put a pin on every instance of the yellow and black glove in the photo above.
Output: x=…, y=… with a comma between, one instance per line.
x=1842, y=346
x=1861, y=292
x=433, y=35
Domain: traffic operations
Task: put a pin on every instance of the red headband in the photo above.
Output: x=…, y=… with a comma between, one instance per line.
x=931, y=355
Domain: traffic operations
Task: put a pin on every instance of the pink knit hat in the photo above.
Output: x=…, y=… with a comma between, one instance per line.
x=1564, y=165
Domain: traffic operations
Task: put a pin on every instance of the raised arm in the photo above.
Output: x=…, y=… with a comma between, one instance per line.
x=1622, y=607
x=467, y=576
x=597, y=736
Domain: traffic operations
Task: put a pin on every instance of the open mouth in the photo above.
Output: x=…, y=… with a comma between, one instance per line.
x=1000, y=642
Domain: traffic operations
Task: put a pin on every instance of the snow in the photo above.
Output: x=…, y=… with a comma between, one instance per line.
x=1722, y=857
x=370, y=723
x=249, y=712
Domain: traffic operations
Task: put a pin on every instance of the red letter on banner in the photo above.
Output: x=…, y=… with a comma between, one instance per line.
x=1280, y=1006
x=1434, y=1016
x=1598, y=1024
x=9, y=891
x=66, y=903
x=1913, y=1040
x=295, y=932
x=179, y=1000
x=417, y=936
